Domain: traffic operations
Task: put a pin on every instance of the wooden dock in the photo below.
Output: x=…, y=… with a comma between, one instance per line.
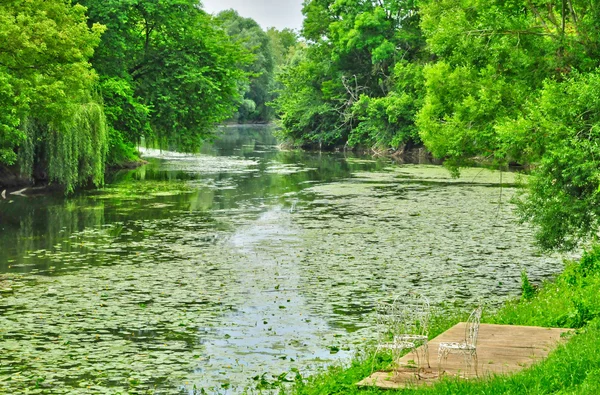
x=501, y=349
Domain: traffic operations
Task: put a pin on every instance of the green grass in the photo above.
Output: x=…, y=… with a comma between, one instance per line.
x=572, y=300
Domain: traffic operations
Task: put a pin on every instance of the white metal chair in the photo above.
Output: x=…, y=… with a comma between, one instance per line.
x=404, y=325
x=468, y=348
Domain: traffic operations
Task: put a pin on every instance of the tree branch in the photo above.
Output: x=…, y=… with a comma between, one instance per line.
x=537, y=14
x=489, y=32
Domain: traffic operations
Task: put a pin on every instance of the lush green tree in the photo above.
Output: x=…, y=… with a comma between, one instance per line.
x=493, y=57
x=284, y=43
x=248, y=33
x=168, y=72
x=389, y=121
x=49, y=120
x=561, y=130
x=516, y=81
x=306, y=116
x=356, y=88
x=484, y=74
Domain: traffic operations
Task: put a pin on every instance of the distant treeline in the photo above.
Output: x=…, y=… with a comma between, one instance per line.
x=82, y=82
x=501, y=81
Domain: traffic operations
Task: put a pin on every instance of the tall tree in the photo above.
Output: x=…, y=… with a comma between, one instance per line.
x=284, y=43
x=49, y=120
x=518, y=81
x=248, y=33
x=357, y=47
x=168, y=72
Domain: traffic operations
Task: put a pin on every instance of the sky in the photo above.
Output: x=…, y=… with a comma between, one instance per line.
x=268, y=13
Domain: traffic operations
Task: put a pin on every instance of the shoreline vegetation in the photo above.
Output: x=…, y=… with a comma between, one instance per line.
x=571, y=300
x=11, y=178
x=83, y=82
x=506, y=83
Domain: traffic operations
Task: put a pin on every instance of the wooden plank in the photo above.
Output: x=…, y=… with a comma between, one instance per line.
x=501, y=349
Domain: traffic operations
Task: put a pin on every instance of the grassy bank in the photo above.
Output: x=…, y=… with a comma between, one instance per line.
x=572, y=300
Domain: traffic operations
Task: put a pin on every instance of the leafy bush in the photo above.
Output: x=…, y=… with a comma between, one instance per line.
x=527, y=289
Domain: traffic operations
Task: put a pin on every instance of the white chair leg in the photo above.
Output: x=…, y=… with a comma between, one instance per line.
x=415, y=351
x=374, y=358
x=442, y=354
x=467, y=356
x=397, y=353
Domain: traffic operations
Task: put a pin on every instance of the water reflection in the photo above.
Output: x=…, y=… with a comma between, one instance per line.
x=244, y=171
x=243, y=262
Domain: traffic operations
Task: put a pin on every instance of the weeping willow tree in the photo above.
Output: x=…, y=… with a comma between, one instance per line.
x=50, y=125
x=71, y=151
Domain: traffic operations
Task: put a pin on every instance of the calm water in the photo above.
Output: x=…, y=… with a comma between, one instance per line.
x=233, y=269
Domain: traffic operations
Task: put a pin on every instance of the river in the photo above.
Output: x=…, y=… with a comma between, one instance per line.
x=238, y=267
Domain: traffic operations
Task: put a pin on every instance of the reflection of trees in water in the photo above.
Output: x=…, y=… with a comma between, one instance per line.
x=43, y=222
x=34, y=224
x=241, y=140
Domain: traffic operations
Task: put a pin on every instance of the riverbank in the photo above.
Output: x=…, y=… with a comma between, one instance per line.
x=414, y=155
x=11, y=179
x=572, y=300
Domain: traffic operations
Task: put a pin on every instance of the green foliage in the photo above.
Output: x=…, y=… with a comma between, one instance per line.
x=456, y=120
x=562, y=128
x=250, y=35
x=490, y=61
x=284, y=43
x=72, y=151
x=168, y=72
x=517, y=82
x=390, y=121
x=77, y=147
x=340, y=379
x=124, y=112
x=570, y=301
x=304, y=113
x=121, y=152
x=49, y=120
x=589, y=264
x=348, y=86
x=527, y=289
